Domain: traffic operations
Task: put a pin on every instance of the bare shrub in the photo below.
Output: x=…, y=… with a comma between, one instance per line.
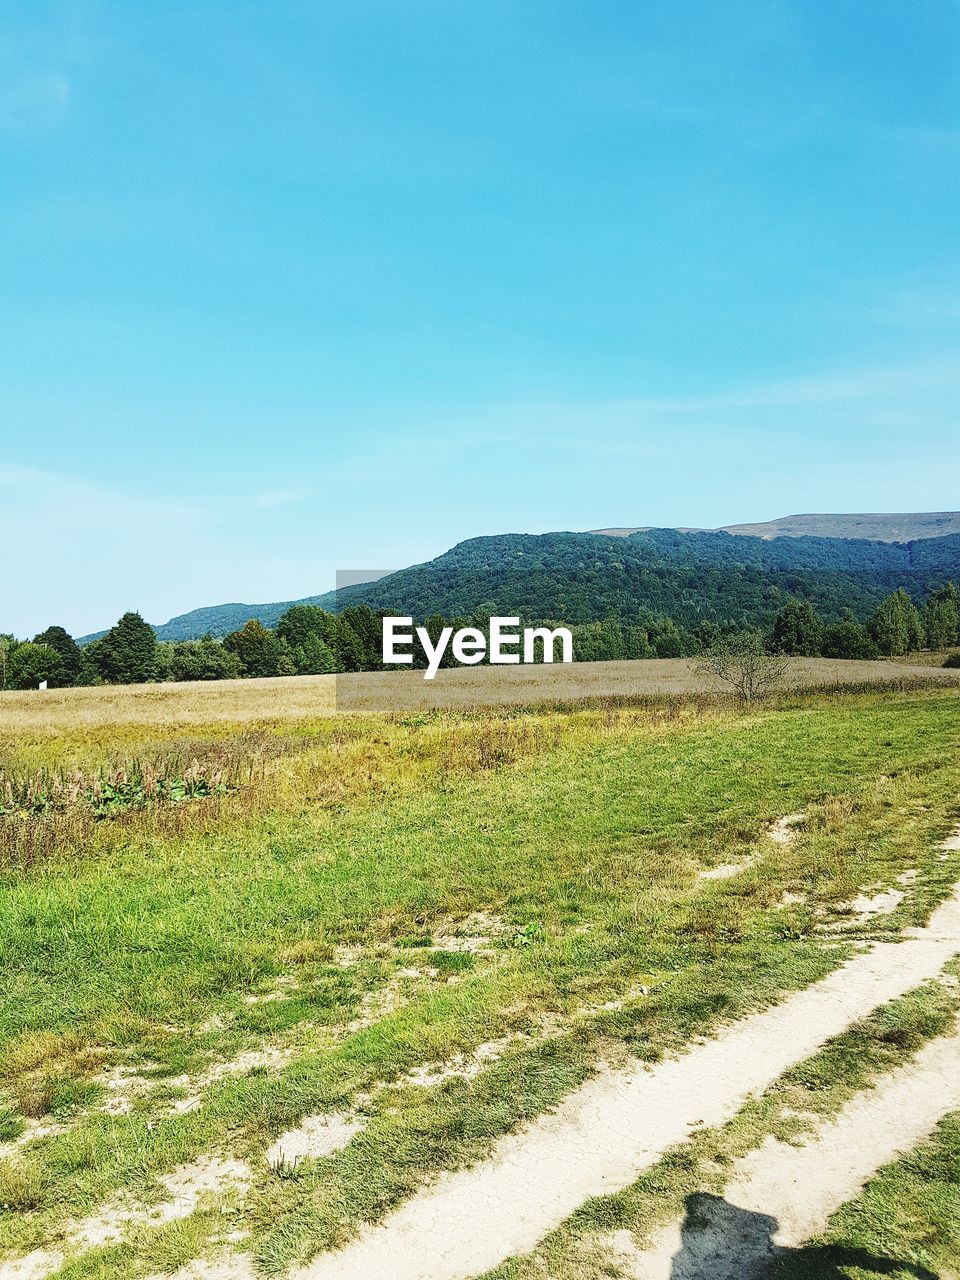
x=743, y=664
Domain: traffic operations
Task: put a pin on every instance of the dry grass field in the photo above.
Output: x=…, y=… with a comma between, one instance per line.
x=294, y=698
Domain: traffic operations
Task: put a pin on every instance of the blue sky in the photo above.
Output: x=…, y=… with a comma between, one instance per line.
x=291, y=288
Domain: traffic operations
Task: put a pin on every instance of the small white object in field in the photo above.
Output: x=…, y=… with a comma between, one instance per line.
x=42, y=684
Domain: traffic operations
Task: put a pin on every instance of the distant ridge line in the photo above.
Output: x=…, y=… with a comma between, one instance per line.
x=866, y=526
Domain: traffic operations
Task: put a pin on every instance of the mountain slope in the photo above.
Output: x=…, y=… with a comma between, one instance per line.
x=577, y=577
x=221, y=619
x=583, y=577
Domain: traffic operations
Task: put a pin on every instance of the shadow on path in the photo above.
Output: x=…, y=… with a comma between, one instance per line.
x=721, y=1242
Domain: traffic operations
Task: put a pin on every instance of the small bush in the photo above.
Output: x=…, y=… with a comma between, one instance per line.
x=952, y=660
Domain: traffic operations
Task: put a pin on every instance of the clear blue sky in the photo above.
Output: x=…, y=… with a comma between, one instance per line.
x=296, y=287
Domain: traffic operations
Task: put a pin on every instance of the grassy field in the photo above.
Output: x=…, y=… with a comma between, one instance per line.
x=225, y=909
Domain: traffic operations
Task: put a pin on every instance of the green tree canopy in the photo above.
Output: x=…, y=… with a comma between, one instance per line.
x=315, y=657
x=847, y=639
x=942, y=617
x=205, y=659
x=303, y=620
x=896, y=627
x=7, y=646
x=127, y=653
x=68, y=649
x=30, y=664
x=797, y=629
x=367, y=626
x=257, y=649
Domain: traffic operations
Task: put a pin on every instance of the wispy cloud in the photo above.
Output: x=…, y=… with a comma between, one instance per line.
x=76, y=503
x=904, y=395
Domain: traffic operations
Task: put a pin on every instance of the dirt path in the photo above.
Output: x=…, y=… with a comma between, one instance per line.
x=783, y=1194
x=616, y=1125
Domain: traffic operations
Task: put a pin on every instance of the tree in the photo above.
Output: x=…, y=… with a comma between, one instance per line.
x=31, y=664
x=350, y=650
x=598, y=642
x=636, y=643
x=942, y=617
x=367, y=626
x=349, y=646
x=669, y=640
x=89, y=673
x=896, y=627
x=286, y=664
x=797, y=629
x=743, y=663
x=315, y=657
x=847, y=639
x=205, y=659
x=68, y=649
x=303, y=620
x=257, y=649
x=127, y=653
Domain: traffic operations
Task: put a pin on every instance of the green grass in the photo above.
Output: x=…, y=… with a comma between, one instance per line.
x=909, y=1213
x=579, y=832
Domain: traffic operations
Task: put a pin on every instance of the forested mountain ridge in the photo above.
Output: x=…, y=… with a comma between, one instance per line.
x=583, y=577
x=689, y=577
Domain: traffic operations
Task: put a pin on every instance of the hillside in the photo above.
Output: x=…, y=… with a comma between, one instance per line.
x=690, y=576
x=221, y=619
x=875, y=527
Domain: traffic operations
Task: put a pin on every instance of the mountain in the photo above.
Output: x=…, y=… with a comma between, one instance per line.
x=689, y=575
x=875, y=527
x=577, y=577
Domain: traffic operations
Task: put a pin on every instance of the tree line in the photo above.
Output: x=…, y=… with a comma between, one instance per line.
x=308, y=640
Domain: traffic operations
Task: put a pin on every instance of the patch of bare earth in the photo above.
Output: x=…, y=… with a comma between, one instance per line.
x=33, y=1131
x=210, y=1178
x=784, y=831
x=231, y=1266
x=314, y=1138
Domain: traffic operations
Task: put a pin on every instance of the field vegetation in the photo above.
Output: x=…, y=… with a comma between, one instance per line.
x=227, y=913
x=309, y=640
